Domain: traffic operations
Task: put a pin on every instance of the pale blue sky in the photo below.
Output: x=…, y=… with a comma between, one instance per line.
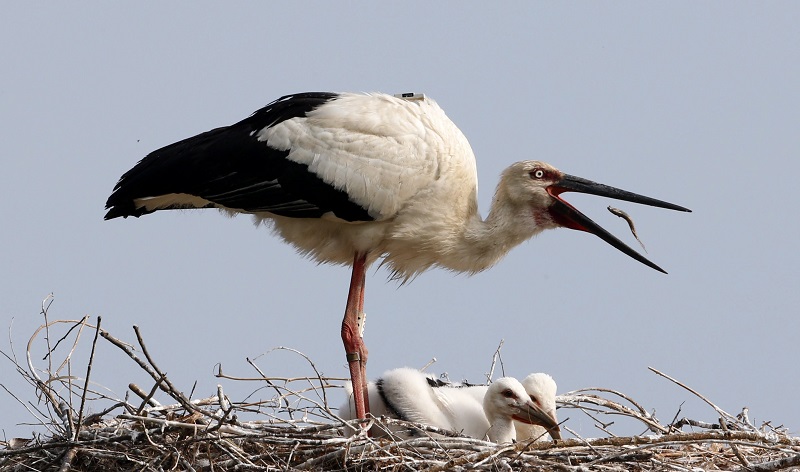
x=694, y=103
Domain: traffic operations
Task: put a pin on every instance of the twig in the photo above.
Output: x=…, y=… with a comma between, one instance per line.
x=266, y=379
x=313, y=366
x=52, y=398
x=148, y=398
x=495, y=357
x=580, y=438
x=430, y=363
x=327, y=380
x=719, y=410
x=65, y=336
x=628, y=399
x=166, y=386
x=66, y=463
x=86, y=381
x=574, y=401
x=672, y=423
x=782, y=463
x=48, y=300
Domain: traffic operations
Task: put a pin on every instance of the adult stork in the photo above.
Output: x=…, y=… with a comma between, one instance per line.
x=350, y=178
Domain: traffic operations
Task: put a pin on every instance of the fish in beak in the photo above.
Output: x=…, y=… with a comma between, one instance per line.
x=568, y=216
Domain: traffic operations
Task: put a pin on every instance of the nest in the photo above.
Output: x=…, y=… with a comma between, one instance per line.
x=297, y=429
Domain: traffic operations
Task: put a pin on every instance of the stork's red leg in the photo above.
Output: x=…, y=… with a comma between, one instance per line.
x=363, y=346
x=353, y=343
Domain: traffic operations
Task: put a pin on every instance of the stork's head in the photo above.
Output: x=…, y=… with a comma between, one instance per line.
x=541, y=388
x=508, y=398
x=540, y=185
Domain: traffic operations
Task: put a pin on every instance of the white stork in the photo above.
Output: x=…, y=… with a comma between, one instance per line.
x=541, y=388
x=402, y=390
x=476, y=411
x=351, y=178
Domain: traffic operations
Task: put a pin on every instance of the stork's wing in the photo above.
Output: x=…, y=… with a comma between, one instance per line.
x=358, y=157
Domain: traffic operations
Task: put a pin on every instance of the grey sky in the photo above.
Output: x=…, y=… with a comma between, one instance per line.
x=694, y=103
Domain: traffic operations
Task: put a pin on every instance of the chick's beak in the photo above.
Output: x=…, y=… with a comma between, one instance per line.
x=531, y=413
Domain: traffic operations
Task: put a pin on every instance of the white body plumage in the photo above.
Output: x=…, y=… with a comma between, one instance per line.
x=478, y=411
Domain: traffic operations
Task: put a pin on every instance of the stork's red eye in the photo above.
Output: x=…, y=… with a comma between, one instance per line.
x=536, y=173
x=534, y=400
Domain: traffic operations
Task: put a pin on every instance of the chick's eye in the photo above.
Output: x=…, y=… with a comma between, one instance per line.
x=508, y=393
x=536, y=173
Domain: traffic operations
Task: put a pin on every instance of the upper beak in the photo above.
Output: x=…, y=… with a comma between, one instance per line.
x=531, y=414
x=567, y=215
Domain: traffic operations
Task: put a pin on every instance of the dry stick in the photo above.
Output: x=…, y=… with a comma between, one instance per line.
x=86, y=381
x=327, y=380
x=46, y=390
x=48, y=300
x=313, y=366
x=495, y=356
x=226, y=408
x=269, y=382
x=187, y=465
x=147, y=399
x=191, y=427
x=744, y=417
x=475, y=459
x=66, y=463
x=65, y=336
x=53, y=375
x=719, y=411
x=36, y=414
x=783, y=463
x=63, y=444
x=572, y=400
x=99, y=415
x=619, y=394
x=33, y=381
x=699, y=424
x=13, y=356
x=196, y=403
x=672, y=423
x=430, y=363
x=282, y=398
x=678, y=441
x=598, y=424
x=169, y=388
x=68, y=358
x=580, y=438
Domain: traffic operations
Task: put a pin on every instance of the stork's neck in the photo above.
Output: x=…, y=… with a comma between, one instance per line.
x=485, y=242
x=530, y=431
x=502, y=430
x=458, y=239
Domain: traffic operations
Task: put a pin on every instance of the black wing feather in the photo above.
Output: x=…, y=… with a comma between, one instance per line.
x=230, y=167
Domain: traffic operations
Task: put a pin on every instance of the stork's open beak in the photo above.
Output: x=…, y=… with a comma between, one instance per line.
x=532, y=414
x=567, y=215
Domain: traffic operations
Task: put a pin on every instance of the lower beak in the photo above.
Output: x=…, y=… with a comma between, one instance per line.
x=567, y=215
